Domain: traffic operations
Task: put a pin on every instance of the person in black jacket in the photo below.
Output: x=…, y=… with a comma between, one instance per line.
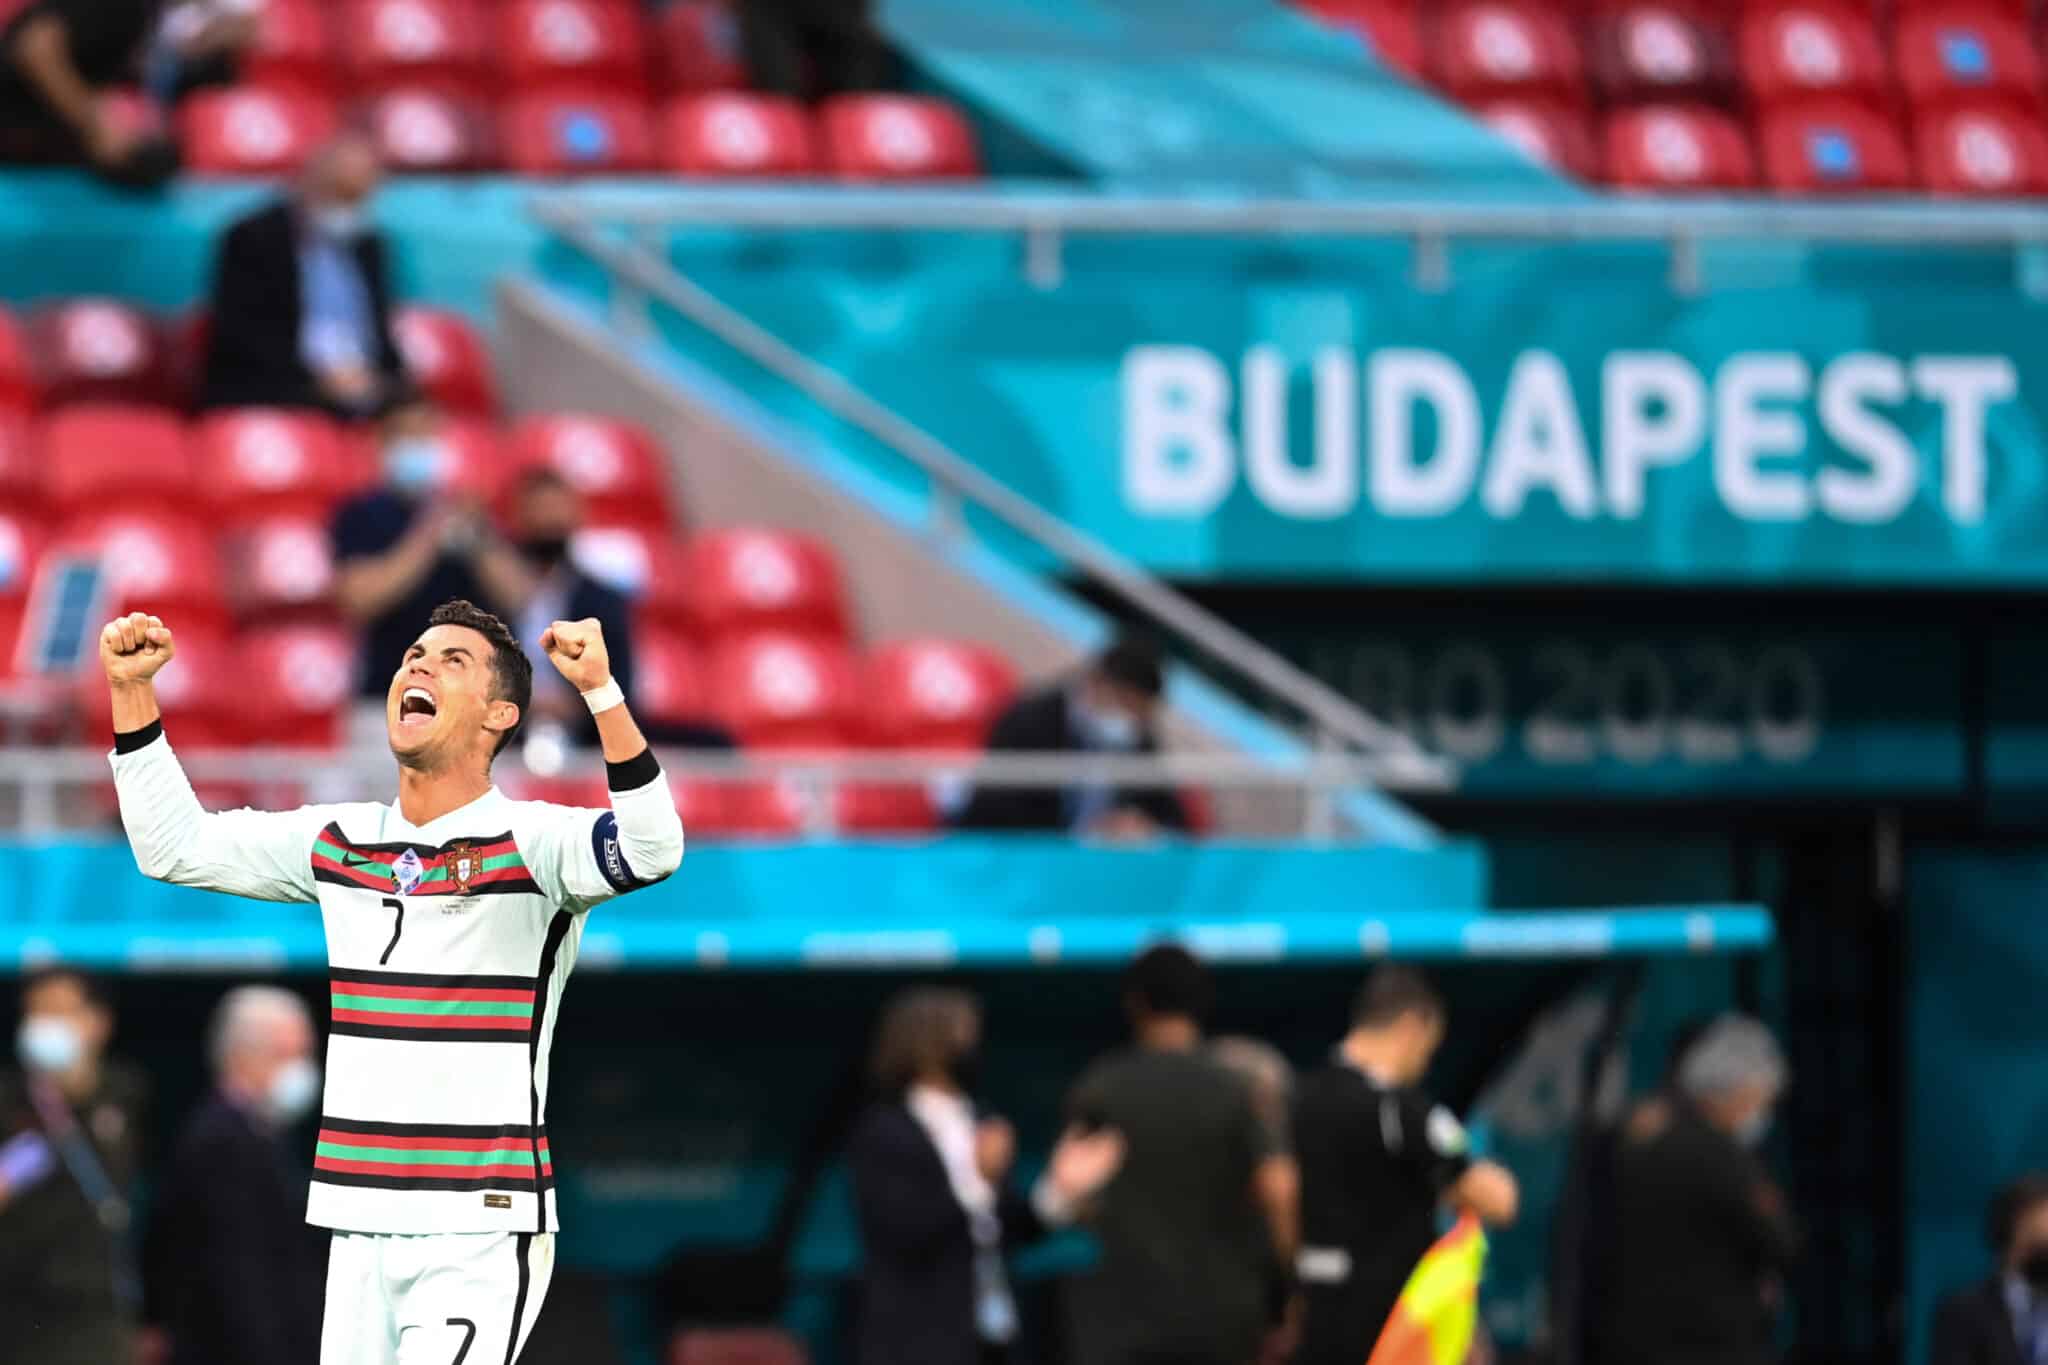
x=2003, y=1320
x=302, y=298
x=931, y=1191
x=1111, y=708
x=60, y=64
x=234, y=1272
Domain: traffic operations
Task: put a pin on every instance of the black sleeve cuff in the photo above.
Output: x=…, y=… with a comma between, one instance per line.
x=634, y=773
x=128, y=741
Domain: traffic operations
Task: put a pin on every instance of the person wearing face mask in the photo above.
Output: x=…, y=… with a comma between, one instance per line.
x=2003, y=1320
x=70, y=1133
x=932, y=1194
x=1381, y=1163
x=417, y=540
x=301, y=303
x=1110, y=709
x=234, y=1272
x=1700, y=1236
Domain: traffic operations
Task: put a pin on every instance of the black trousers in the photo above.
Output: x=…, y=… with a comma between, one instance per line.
x=809, y=49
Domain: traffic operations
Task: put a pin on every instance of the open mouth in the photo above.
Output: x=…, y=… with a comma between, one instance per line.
x=416, y=706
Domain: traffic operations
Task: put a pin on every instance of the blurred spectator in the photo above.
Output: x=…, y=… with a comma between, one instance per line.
x=235, y=1274
x=1701, y=1236
x=60, y=64
x=1109, y=709
x=412, y=543
x=70, y=1128
x=199, y=42
x=546, y=514
x=1184, y=1277
x=2003, y=1320
x=931, y=1189
x=301, y=302
x=1263, y=1068
x=1379, y=1160
x=810, y=49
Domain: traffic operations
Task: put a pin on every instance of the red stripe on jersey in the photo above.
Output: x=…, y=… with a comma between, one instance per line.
x=507, y=1023
x=379, y=988
x=513, y=1175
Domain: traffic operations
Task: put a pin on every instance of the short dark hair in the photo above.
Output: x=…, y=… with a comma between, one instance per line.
x=1168, y=979
x=1392, y=990
x=2010, y=1205
x=1134, y=661
x=510, y=668
x=95, y=989
x=919, y=1032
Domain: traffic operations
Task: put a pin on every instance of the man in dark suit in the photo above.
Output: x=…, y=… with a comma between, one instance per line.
x=302, y=299
x=234, y=1272
x=931, y=1191
x=2003, y=1320
x=1109, y=709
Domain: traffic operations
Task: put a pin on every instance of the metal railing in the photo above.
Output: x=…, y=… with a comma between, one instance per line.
x=53, y=789
x=642, y=275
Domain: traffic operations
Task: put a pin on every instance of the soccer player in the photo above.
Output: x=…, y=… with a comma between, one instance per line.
x=453, y=916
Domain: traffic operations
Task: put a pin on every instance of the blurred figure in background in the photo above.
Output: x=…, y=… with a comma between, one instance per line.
x=200, y=42
x=2003, y=1320
x=546, y=514
x=301, y=301
x=61, y=63
x=1700, y=1235
x=1205, y=1203
x=1265, y=1070
x=412, y=543
x=235, y=1273
x=70, y=1137
x=1111, y=708
x=931, y=1189
x=1380, y=1162
x=811, y=49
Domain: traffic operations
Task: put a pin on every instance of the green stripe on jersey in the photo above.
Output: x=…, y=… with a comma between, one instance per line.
x=385, y=1004
x=521, y=1155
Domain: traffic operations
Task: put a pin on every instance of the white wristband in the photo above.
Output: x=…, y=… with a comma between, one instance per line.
x=604, y=698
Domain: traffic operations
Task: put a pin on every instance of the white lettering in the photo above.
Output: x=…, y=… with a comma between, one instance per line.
x=1631, y=440
x=1745, y=434
x=1177, y=455
x=1327, y=487
x=1539, y=442
x=1964, y=386
x=1402, y=485
x=1880, y=493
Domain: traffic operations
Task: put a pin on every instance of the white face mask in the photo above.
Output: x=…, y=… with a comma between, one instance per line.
x=1108, y=728
x=414, y=464
x=339, y=222
x=293, y=1090
x=1752, y=1131
x=46, y=1044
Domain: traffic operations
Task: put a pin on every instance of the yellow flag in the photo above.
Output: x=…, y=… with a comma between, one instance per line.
x=1437, y=1315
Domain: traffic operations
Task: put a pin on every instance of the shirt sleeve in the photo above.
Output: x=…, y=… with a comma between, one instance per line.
x=265, y=855
x=1433, y=1141
x=579, y=856
x=360, y=531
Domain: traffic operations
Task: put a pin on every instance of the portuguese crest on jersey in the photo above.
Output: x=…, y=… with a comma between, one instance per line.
x=462, y=863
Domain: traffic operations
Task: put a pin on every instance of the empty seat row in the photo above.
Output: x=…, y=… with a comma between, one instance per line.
x=264, y=130
x=1815, y=147
x=105, y=350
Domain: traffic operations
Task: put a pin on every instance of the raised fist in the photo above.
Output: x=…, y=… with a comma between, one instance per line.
x=134, y=647
x=577, y=650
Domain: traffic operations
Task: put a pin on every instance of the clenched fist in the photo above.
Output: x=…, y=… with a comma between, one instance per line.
x=134, y=647
x=577, y=650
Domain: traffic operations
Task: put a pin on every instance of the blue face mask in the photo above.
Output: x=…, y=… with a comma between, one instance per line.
x=293, y=1090
x=1109, y=729
x=49, y=1045
x=339, y=222
x=414, y=464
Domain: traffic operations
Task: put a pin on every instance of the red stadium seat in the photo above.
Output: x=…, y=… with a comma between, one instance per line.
x=420, y=131
x=17, y=382
x=1504, y=47
x=21, y=543
x=737, y=134
x=1965, y=52
x=896, y=137
x=1556, y=135
x=766, y=810
x=162, y=564
x=21, y=473
x=248, y=130
x=697, y=46
x=748, y=579
x=893, y=808
x=934, y=694
x=102, y=457
x=702, y=806
x=614, y=465
x=1659, y=50
x=580, y=45
x=1814, y=47
x=1677, y=147
x=387, y=44
x=96, y=350
x=282, y=567
x=185, y=340
x=1989, y=150
x=776, y=689
x=258, y=462
x=295, y=684
x=736, y=1346
x=1391, y=28
x=668, y=680
x=647, y=564
x=576, y=135
x=293, y=47
x=446, y=358
x=1832, y=146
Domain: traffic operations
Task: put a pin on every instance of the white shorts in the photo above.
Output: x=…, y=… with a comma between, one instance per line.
x=460, y=1298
